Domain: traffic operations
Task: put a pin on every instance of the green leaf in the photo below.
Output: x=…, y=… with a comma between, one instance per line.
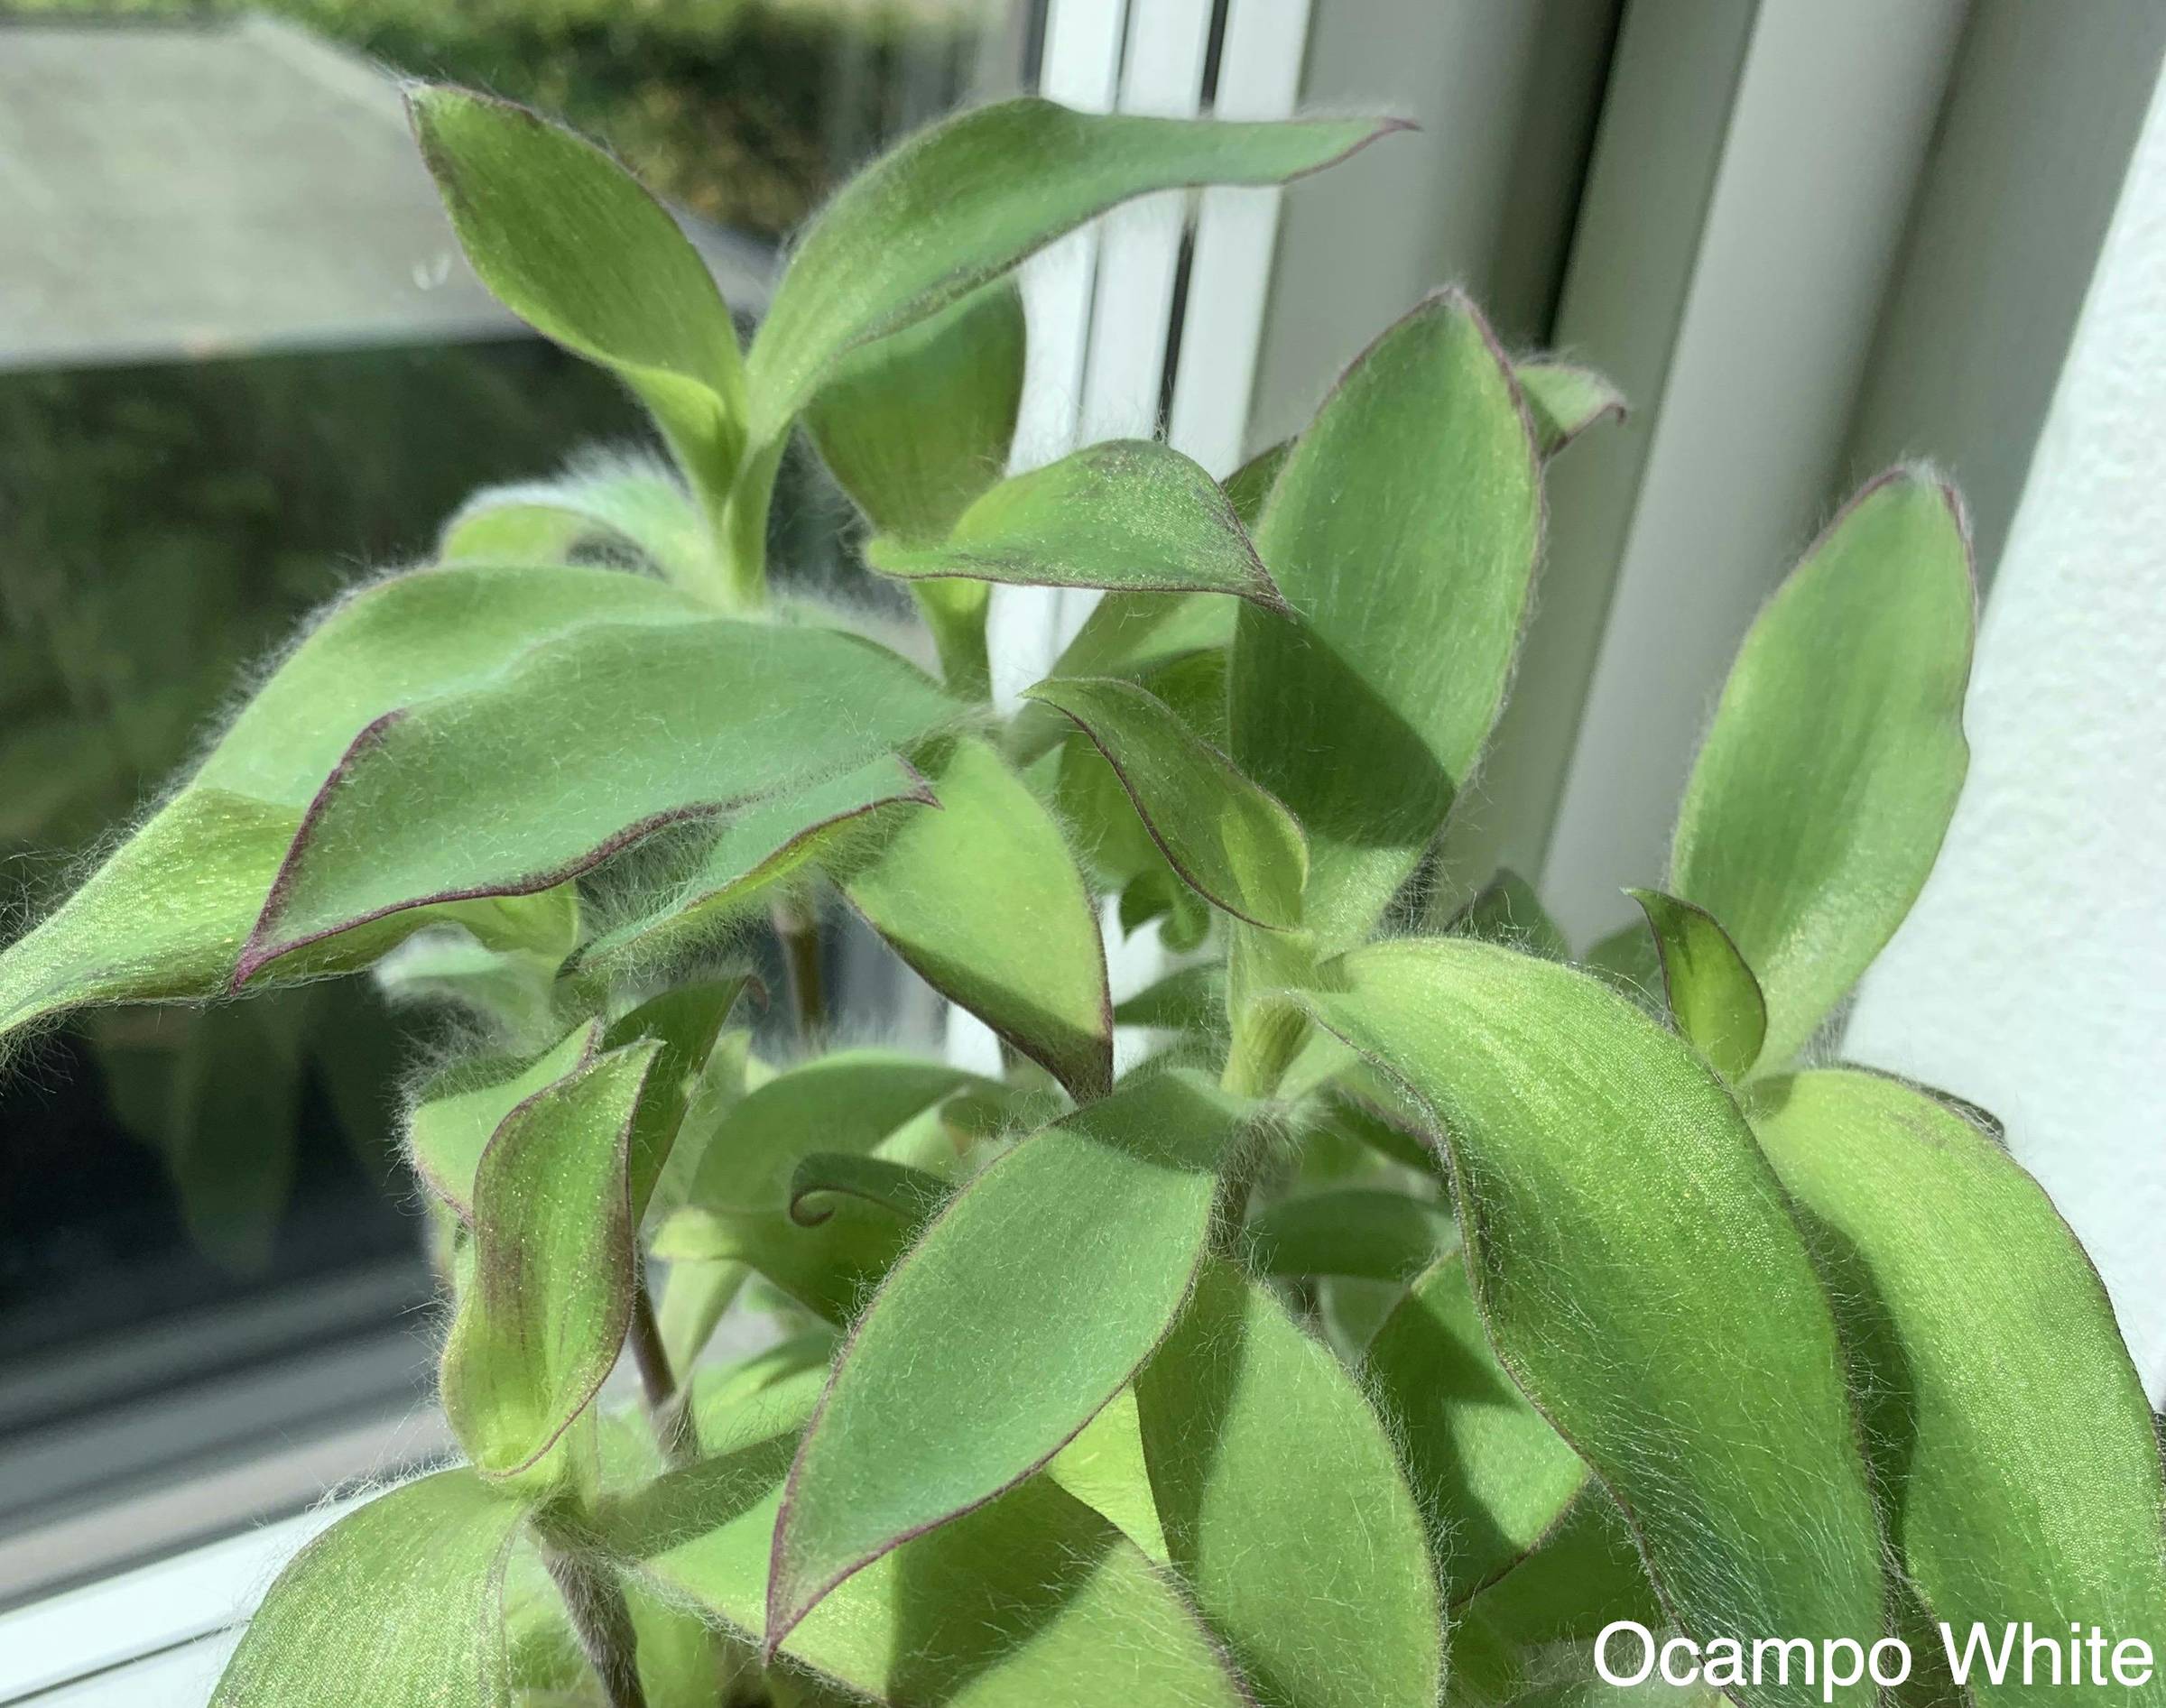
x=128, y=935
x=1129, y=514
x=1132, y=636
x=1819, y=801
x=982, y=898
x=845, y=1102
x=920, y=1424
x=685, y=1021
x=501, y=789
x=567, y=241
x=1361, y=1231
x=1033, y=1599
x=1365, y=712
x=1712, y=995
x=1584, y=1573
x=397, y=1605
x=830, y=1265
x=1284, y=1509
x=1230, y=842
x=543, y=1318
x=1190, y=999
x=1638, y=1270
x=2009, y=1427
x=1507, y=910
x=1492, y=1476
x=917, y=425
x=1565, y=400
x=1248, y=487
x=911, y=1194
x=1103, y=1467
x=962, y=202
x=628, y=506
x=461, y=1107
x=769, y=842
x=1344, y=1113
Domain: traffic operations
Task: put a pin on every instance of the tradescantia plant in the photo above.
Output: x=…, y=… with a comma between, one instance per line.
x=1425, y=1304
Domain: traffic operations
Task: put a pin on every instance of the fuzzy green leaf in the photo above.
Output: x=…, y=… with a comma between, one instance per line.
x=1365, y=711
x=625, y=507
x=2010, y=1431
x=1190, y=999
x=1819, y=799
x=460, y=1107
x=984, y=900
x=1033, y=1599
x=1132, y=636
x=1711, y=993
x=829, y=1264
x=1250, y=484
x=1103, y=1467
x=962, y=202
x=1129, y=514
x=569, y=241
x=501, y=789
x=1284, y=1509
x=769, y=842
x=1230, y=842
x=909, y=1194
x=845, y=1102
x=922, y=1424
x=1584, y=1573
x=397, y=1605
x=1507, y=910
x=917, y=425
x=1639, y=1272
x=1368, y=1231
x=1565, y=400
x=685, y=1021
x=130, y=935
x=542, y=1317
x=1493, y=1475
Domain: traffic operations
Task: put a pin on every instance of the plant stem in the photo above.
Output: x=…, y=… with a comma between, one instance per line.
x=666, y=1409
x=799, y=928
x=602, y=1620
x=742, y=529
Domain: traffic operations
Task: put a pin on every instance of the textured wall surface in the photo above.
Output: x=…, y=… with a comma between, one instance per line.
x=2032, y=977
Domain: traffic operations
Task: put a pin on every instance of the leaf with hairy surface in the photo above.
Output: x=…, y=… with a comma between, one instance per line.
x=542, y=1314
x=961, y=203
x=2010, y=1429
x=1365, y=710
x=1817, y=803
x=1284, y=1509
x=393, y=1606
x=920, y=1425
x=1565, y=400
x=770, y=841
x=1639, y=1275
x=982, y=898
x=1711, y=993
x=499, y=790
x=626, y=506
x=1368, y=1231
x=460, y=1107
x=569, y=241
x=1228, y=840
x=1493, y=1477
x=1033, y=1599
x=1132, y=515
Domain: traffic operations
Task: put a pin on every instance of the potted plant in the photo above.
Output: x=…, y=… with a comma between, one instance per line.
x=1432, y=1315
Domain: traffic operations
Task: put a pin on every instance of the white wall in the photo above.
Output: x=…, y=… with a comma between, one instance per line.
x=2032, y=977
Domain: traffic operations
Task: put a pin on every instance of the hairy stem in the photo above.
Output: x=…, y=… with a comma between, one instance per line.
x=603, y=1621
x=667, y=1402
